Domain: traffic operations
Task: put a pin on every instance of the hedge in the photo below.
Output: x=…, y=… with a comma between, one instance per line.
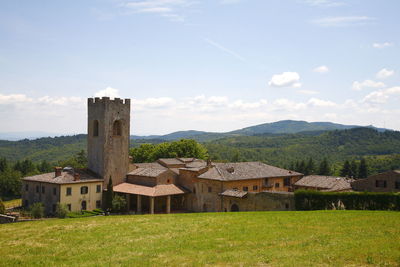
x=317, y=200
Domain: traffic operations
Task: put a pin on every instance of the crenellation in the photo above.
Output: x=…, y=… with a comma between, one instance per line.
x=97, y=99
x=127, y=101
x=90, y=100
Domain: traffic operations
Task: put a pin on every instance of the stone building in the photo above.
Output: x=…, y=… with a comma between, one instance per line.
x=77, y=189
x=383, y=182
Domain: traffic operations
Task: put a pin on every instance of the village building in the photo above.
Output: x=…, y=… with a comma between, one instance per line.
x=324, y=183
x=77, y=189
x=383, y=182
x=169, y=184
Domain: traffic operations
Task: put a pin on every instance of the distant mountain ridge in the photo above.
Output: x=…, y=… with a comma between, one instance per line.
x=279, y=127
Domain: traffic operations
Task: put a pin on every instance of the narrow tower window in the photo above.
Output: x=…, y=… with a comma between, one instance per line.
x=96, y=128
x=117, y=128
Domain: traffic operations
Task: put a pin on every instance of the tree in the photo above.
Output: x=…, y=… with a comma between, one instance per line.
x=44, y=167
x=2, y=207
x=310, y=167
x=61, y=210
x=10, y=183
x=324, y=168
x=353, y=169
x=37, y=210
x=3, y=164
x=109, y=195
x=363, y=169
x=345, y=172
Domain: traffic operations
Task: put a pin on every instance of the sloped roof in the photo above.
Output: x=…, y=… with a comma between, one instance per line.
x=326, y=183
x=155, y=191
x=154, y=165
x=171, y=161
x=66, y=177
x=233, y=193
x=147, y=172
x=245, y=171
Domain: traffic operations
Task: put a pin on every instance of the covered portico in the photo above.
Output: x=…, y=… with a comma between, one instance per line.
x=149, y=199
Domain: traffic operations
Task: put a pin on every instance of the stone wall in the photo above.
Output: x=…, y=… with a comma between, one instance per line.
x=108, y=145
x=369, y=184
x=264, y=201
x=47, y=193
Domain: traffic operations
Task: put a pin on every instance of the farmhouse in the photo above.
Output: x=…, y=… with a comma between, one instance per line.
x=169, y=184
x=383, y=182
x=324, y=183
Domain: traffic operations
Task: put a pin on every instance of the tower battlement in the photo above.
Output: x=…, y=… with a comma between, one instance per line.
x=106, y=99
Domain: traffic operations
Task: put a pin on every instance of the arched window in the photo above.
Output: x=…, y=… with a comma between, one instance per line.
x=96, y=128
x=234, y=207
x=117, y=128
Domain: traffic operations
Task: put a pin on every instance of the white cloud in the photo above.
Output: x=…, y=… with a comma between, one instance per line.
x=14, y=98
x=320, y=103
x=285, y=79
x=384, y=73
x=308, y=92
x=109, y=91
x=170, y=9
x=321, y=69
x=382, y=45
x=381, y=96
x=367, y=83
x=343, y=21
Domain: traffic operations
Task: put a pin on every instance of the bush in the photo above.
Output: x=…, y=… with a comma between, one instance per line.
x=61, y=211
x=316, y=200
x=37, y=210
x=118, y=203
x=2, y=207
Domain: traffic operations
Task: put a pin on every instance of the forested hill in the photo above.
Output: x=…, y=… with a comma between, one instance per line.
x=276, y=149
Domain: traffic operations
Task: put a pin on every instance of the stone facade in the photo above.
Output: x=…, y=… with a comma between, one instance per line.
x=108, y=138
x=382, y=182
x=47, y=193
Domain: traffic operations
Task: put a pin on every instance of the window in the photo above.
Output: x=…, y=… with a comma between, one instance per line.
x=380, y=183
x=209, y=189
x=98, y=204
x=43, y=189
x=286, y=181
x=96, y=128
x=245, y=188
x=26, y=187
x=84, y=190
x=98, y=188
x=255, y=187
x=194, y=190
x=69, y=191
x=117, y=128
x=69, y=207
x=277, y=185
x=397, y=185
x=54, y=190
x=37, y=189
x=83, y=205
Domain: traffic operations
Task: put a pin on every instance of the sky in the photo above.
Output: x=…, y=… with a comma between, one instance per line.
x=214, y=65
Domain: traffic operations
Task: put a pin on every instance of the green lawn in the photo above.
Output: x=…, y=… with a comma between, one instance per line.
x=318, y=238
x=12, y=203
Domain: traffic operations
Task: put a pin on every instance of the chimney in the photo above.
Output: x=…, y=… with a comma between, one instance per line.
x=57, y=171
x=208, y=162
x=77, y=176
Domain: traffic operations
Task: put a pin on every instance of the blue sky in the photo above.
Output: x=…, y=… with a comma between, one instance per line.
x=205, y=65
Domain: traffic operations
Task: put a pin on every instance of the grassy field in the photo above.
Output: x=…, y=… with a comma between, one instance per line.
x=317, y=238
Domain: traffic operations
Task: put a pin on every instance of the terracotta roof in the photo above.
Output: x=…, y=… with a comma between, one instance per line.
x=155, y=165
x=233, y=193
x=147, y=172
x=171, y=161
x=155, y=191
x=245, y=171
x=326, y=183
x=66, y=177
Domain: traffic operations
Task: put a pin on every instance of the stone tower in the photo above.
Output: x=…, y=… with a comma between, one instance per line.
x=108, y=138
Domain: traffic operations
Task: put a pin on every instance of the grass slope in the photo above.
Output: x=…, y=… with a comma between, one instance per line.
x=334, y=238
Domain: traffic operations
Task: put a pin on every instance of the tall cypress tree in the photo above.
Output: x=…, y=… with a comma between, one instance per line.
x=363, y=169
x=353, y=169
x=324, y=168
x=345, y=172
x=109, y=195
x=310, y=168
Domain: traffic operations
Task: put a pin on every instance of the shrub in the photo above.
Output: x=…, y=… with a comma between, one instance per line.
x=316, y=200
x=2, y=207
x=62, y=210
x=118, y=203
x=37, y=210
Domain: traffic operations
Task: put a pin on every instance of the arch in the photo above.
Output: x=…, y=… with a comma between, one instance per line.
x=95, y=128
x=83, y=205
x=234, y=207
x=204, y=207
x=117, y=128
